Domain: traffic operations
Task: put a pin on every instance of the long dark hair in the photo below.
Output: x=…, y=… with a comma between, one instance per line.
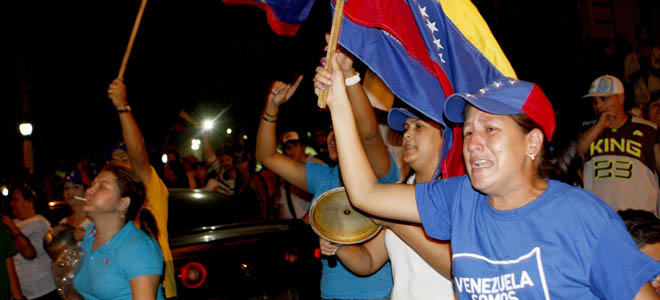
x=132, y=187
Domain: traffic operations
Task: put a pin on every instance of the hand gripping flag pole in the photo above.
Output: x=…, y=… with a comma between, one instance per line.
x=332, y=46
x=131, y=40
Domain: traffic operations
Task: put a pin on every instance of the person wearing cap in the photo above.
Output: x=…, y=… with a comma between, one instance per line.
x=336, y=281
x=414, y=277
x=621, y=151
x=514, y=234
x=133, y=155
x=74, y=187
x=294, y=202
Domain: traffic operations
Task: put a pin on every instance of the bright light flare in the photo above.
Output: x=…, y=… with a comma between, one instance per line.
x=5, y=191
x=164, y=158
x=207, y=125
x=228, y=130
x=25, y=129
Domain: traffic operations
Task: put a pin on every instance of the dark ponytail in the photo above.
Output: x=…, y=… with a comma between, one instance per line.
x=148, y=222
x=563, y=163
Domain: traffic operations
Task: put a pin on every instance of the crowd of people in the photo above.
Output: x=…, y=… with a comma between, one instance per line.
x=507, y=229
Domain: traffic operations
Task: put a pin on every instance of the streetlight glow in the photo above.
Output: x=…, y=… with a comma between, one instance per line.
x=195, y=144
x=164, y=158
x=5, y=191
x=25, y=129
x=228, y=130
x=245, y=137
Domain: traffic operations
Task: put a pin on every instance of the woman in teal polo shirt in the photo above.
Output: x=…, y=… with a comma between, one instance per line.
x=120, y=261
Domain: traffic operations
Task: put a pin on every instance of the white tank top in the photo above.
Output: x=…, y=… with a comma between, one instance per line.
x=413, y=277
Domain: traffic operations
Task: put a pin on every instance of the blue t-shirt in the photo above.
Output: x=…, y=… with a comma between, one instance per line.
x=566, y=244
x=337, y=282
x=105, y=273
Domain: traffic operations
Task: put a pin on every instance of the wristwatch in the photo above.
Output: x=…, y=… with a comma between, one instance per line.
x=125, y=109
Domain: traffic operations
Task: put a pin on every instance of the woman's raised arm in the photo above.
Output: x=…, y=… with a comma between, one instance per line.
x=393, y=201
x=291, y=170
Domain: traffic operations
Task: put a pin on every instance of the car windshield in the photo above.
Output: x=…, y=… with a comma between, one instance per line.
x=190, y=209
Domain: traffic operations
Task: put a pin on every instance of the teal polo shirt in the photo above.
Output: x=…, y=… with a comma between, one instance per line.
x=105, y=272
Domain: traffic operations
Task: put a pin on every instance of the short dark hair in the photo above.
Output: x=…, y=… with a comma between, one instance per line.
x=644, y=226
x=32, y=195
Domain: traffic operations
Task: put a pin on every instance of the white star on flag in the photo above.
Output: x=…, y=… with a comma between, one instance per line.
x=437, y=43
x=432, y=28
x=422, y=10
x=431, y=25
x=441, y=59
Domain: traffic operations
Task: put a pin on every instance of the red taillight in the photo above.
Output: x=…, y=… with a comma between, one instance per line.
x=317, y=253
x=292, y=255
x=193, y=275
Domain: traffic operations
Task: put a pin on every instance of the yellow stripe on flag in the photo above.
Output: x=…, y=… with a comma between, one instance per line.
x=469, y=22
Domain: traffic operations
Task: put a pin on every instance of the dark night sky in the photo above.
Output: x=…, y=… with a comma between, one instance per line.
x=204, y=56
x=200, y=56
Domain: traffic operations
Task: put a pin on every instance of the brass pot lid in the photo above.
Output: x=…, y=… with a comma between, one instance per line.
x=333, y=218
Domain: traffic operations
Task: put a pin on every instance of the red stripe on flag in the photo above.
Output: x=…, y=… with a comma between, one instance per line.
x=453, y=165
x=401, y=25
x=279, y=27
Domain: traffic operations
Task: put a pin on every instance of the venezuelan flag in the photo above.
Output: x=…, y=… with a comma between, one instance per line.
x=283, y=16
x=424, y=51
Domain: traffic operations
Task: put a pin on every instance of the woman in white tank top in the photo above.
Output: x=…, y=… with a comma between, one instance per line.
x=422, y=273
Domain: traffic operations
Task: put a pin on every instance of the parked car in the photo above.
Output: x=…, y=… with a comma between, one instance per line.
x=222, y=250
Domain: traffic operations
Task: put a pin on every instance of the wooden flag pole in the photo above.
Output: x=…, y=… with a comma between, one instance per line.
x=129, y=47
x=332, y=46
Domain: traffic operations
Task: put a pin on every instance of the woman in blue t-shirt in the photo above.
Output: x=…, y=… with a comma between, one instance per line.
x=336, y=281
x=119, y=260
x=514, y=234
